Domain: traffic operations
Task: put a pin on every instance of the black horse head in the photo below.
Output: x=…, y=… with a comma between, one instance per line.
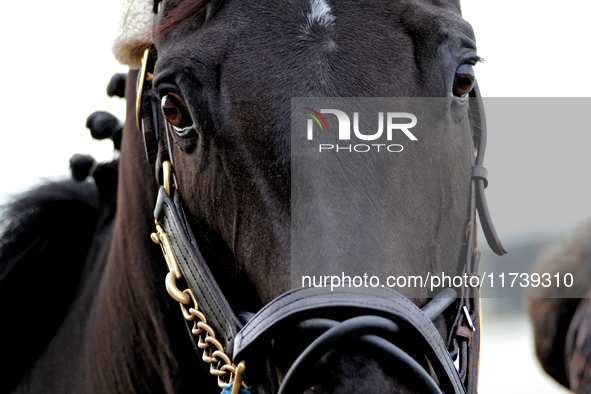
x=235, y=94
x=225, y=77
x=231, y=78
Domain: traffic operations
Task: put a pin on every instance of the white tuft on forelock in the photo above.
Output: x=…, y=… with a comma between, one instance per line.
x=135, y=32
x=320, y=13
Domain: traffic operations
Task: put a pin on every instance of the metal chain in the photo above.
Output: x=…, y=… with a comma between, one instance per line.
x=220, y=363
x=213, y=351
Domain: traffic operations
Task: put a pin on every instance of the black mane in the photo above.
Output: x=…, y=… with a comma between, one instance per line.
x=46, y=238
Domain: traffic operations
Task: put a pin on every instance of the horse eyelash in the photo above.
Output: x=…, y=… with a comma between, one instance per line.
x=473, y=60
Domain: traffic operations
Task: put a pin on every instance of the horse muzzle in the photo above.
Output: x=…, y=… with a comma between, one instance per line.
x=384, y=323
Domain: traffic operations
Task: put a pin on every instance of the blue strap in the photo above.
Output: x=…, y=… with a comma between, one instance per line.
x=228, y=390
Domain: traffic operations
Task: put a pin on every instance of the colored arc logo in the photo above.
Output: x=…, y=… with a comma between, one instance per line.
x=315, y=115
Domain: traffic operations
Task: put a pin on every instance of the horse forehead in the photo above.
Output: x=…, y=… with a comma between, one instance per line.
x=279, y=46
x=316, y=24
x=238, y=15
x=430, y=14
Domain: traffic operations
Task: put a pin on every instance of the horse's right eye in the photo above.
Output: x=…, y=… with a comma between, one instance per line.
x=464, y=80
x=175, y=111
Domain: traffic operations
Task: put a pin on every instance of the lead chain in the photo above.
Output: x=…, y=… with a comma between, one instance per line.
x=213, y=351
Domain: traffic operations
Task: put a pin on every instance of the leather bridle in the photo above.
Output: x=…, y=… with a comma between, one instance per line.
x=374, y=317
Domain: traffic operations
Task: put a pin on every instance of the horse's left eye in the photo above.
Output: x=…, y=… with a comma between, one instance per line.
x=464, y=80
x=175, y=111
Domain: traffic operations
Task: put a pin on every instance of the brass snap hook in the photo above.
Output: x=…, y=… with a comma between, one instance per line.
x=238, y=376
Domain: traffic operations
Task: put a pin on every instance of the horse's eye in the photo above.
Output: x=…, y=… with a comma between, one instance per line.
x=174, y=111
x=464, y=80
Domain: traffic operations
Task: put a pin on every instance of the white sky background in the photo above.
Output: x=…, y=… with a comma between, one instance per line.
x=55, y=65
x=56, y=62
